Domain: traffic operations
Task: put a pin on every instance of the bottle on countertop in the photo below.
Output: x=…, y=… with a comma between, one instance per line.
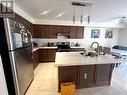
x=50, y=44
x=35, y=44
x=72, y=44
x=77, y=44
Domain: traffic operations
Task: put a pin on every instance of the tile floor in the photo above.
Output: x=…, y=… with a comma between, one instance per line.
x=45, y=82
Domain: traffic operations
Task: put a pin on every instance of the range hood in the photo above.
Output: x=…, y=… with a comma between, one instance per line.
x=63, y=34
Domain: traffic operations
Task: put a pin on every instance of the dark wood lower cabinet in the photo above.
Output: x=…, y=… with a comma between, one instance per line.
x=47, y=55
x=86, y=75
x=35, y=58
x=103, y=74
x=67, y=74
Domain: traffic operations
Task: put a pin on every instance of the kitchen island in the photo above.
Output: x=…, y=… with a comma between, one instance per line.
x=85, y=71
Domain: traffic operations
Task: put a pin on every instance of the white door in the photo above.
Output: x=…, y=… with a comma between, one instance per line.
x=3, y=87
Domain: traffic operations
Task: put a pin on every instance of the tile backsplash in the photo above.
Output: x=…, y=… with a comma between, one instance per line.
x=42, y=42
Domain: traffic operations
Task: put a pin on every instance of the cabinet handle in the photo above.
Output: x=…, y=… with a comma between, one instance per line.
x=85, y=76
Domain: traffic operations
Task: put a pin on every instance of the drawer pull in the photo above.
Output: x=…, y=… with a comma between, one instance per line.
x=85, y=76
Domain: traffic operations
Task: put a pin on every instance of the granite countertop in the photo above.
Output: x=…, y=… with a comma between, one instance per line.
x=46, y=47
x=75, y=58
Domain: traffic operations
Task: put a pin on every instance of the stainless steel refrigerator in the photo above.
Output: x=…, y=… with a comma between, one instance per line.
x=15, y=50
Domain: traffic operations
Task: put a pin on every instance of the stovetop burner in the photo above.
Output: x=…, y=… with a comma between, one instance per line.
x=63, y=46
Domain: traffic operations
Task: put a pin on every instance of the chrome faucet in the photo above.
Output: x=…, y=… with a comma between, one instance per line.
x=96, y=49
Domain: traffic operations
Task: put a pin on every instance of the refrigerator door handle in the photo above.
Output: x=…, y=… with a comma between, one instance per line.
x=13, y=65
x=8, y=33
x=30, y=35
x=31, y=38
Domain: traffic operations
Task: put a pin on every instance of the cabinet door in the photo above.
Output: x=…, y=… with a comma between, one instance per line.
x=73, y=32
x=43, y=55
x=51, y=55
x=41, y=31
x=67, y=74
x=35, y=58
x=64, y=29
x=80, y=33
x=103, y=74
x=37, y=31
x=86, y=75
x=47, y=55
x=44, y=31
x=53, y=31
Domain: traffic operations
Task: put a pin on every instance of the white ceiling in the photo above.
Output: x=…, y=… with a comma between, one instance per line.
x=102, y=10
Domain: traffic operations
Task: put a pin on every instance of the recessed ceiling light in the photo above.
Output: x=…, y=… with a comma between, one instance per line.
x=60, y=14
x=85, y=17
x=46, y=12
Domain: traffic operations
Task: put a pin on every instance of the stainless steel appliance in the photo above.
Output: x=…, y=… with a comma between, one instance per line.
x=15, y=42
x=63, y=35
x=63, y=46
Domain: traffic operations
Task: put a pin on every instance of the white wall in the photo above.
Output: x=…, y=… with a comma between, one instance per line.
x=3, y=87
x=109, y=42
x=87, y=40
x=122, y=39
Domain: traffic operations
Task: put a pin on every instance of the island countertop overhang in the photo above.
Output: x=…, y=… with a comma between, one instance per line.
x=75, y=58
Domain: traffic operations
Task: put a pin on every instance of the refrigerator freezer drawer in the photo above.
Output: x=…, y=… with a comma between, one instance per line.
x=24, y=68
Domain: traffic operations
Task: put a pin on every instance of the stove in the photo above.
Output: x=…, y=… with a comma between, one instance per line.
x=63, y=46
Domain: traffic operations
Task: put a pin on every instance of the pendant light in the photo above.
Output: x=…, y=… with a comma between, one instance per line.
x=74, y=15
x=81, y=18
x=88, y=19
x=82, y=5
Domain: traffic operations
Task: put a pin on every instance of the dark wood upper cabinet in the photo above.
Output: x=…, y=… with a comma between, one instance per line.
x=37, y=31
x=77, y=32
x=51, y=31
x=63, y=29
x=80, y=32
x=73, y=32
x=41, y=31
x=45, y=31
